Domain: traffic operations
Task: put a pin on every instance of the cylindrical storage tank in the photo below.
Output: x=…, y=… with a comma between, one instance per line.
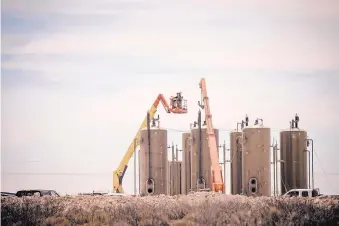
x=186, y=163
x=236, y=162
x=256, y=162
x=153, y=164
x=174, y=178
x=201, y=161
x=294, y=159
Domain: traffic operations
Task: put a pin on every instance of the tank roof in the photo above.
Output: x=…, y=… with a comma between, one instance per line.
x=293, y=130
x=154, y=128
x=235, y=131
x=256, y=126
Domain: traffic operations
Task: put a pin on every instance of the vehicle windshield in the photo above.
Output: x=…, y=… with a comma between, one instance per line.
x=37, y=193
x=292, y=193
x=315, y=193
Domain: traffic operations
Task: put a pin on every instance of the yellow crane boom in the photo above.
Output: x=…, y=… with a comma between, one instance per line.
x=217, y=179
x=177, y=106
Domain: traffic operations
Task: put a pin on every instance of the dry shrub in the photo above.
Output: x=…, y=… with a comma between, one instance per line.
x=194, y=209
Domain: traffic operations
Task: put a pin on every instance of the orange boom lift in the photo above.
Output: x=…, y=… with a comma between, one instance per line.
x=177, y=106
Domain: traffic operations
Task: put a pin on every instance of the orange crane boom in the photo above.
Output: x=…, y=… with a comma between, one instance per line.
x=217, y=178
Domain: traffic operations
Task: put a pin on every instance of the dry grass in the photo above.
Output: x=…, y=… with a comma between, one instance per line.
x=194, y=209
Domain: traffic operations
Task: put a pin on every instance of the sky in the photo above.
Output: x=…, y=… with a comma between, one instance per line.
x=79, y=76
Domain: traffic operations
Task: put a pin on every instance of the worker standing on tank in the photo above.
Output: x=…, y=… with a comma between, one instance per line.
x=296, y=120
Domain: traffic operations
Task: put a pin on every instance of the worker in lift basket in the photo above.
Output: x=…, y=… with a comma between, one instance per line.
x=174, y=102
x=179, y=100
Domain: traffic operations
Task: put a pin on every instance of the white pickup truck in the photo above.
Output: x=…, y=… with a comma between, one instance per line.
x=303, y=193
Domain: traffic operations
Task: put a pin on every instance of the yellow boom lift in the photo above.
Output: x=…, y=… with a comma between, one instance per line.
x=216, y=170
x=177, y=106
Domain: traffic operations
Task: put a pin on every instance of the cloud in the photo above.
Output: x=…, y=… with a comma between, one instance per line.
x=186, y=50
x=259, y=39
x=67, y=7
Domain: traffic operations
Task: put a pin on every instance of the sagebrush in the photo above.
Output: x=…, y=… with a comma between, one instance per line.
x=194, y=209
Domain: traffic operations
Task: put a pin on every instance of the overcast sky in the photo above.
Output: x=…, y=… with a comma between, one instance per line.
x=78, y=77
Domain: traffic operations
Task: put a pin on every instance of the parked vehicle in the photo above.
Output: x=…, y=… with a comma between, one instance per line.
x=37, y=192
x=303, y=193
x=7, y=194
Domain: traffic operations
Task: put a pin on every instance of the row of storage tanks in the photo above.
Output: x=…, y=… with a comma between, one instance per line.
x=158, y=176
x=250, y=151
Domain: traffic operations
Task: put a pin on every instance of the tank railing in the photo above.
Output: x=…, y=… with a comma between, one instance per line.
x=200, y=145
x=309, y=168
x=224, y=162
x=139, y=172
x=231, y=157
x=312, y=150
x=240, y=123
x=135, y=166
x=149, y=145
x=239, y=172
x=171, y=166
x=275, y=158
x=188, y=145
x=282, y=181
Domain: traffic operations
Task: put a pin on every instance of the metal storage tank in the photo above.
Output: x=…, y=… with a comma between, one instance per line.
x=186, y=163
x=236, y=162
x=204, y=160
x=155, y=165
x=294, y=159
x=256, y=162
x=174, y=177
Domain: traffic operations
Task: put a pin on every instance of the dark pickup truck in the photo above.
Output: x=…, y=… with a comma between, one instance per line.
x=36, y=192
